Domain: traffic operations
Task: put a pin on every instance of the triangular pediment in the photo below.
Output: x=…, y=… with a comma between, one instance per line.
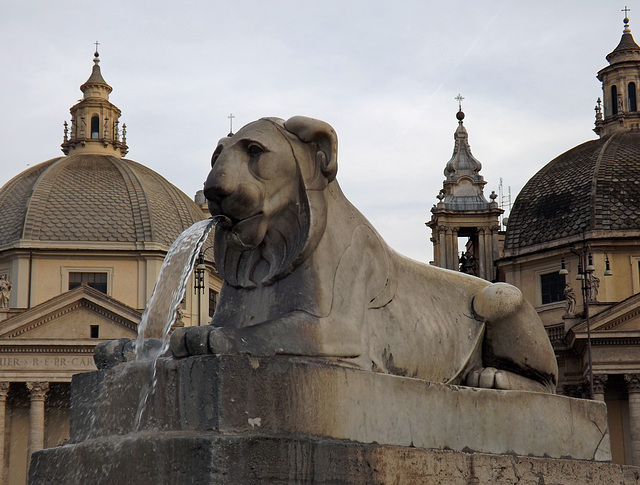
x=618, y=321
x=70, y=317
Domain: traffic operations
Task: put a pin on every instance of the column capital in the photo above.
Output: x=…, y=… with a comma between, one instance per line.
x=599, y=383
x=4, y=390
x=38, y=390
x=633, y=382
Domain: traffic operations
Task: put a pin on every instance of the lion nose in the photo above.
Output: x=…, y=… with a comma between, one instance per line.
x=218, y=185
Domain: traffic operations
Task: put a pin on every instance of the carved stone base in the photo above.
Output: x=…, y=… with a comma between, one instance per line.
x=237, y=419
x=209, y=458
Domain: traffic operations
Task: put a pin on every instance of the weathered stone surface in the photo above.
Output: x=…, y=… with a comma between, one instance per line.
x=179, y=458
x=304, y=397
x=306, y=274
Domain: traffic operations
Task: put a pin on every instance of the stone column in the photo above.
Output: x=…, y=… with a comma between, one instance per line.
x=449, y=248
x=442, y=262
x=633, y=388
x=36, y=416
x=599, y=383
x=480, y=257
x=455, y=260
x=4, y=391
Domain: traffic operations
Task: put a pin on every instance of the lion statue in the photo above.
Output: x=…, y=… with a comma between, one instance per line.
x=305, y=274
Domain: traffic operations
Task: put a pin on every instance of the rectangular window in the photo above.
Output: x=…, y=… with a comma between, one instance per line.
x=95, y=331
x=552, y=287
x=213, y=301
x=94, y=280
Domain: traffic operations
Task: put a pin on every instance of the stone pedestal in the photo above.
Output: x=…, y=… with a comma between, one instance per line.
x=237, y=419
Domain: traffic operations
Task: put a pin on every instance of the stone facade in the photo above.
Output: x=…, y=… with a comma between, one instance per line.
x=83, y=240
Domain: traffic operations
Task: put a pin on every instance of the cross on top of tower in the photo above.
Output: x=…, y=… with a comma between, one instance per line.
x=231, y=117
x=96, y=44
x=459, y=98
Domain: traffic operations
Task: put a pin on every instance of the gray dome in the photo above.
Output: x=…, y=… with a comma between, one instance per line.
x=92, y=198
x=592, y=187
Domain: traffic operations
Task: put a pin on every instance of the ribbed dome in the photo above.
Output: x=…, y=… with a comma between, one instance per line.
x=92, y=198
x=592, y=187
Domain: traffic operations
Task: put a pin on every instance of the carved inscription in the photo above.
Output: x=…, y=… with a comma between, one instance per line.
x=46, y=362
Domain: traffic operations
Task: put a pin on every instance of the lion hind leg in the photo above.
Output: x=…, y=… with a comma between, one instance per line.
x=515, y=339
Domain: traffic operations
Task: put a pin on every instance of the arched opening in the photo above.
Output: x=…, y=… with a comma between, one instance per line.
x=614, y=100
x=95, y=127
x=633, y=105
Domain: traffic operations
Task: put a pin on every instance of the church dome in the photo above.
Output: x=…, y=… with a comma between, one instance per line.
x=93, y=195
x=593, y=190
x=590, y=189
x=88, y=198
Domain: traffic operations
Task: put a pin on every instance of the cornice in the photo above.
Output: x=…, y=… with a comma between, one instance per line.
x=82, y=303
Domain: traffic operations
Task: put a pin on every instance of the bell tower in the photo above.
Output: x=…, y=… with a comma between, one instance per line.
x=95, y=120
x=463, y=211
x=620, y=84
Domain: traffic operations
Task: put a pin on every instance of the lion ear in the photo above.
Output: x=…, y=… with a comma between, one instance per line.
x=323, y=135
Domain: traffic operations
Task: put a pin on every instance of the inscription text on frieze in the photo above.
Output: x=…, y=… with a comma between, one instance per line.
x=46, y=362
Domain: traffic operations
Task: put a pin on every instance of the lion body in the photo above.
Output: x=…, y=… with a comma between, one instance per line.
x=306, y=274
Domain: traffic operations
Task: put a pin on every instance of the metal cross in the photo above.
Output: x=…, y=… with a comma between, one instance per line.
x=97, y=44
x=231, y=117
x=626, y=11
x=459, y=98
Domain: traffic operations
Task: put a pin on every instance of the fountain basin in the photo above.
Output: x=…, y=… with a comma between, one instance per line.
x=211, y=414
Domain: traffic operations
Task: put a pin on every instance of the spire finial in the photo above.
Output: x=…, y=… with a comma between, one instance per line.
x=460, y=113
x=626, y=11
x=96, y=55
x=231, y=117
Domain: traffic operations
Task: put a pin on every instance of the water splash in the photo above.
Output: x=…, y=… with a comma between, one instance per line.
x=160, y=313
x=171, y=285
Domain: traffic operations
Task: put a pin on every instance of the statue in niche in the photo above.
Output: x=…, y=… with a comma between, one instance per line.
x=468, y=263
x=570, y=300
x=5, y=292
x=594, y=286
x=306, y=274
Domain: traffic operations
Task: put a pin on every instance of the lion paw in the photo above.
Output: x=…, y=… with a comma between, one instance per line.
x=198, y=341
x=113, y=352
x=492, y=378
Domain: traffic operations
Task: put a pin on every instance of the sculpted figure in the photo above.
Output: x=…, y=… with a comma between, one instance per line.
x=306, y=274
x=570, y=297
x=5, y=292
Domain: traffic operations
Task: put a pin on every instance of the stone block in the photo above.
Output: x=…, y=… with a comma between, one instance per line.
x=235, y=394
x=209, y=458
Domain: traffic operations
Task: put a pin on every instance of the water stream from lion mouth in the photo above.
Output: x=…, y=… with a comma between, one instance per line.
x=162, y=307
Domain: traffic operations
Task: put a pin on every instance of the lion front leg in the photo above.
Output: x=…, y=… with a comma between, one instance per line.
x=189, y=341
x=297, y=333
x=110, y=353
x=516, y=352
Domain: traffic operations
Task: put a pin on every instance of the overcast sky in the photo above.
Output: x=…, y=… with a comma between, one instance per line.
x=383, y=73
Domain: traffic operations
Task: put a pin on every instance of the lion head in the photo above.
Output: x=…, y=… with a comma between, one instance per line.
x=269, y=180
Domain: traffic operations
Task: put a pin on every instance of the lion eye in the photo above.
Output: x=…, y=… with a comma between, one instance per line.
x=254, y=149
x=215, y=155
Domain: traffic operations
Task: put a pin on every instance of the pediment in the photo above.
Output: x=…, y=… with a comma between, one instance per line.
x=69, y=317
x=618, y=321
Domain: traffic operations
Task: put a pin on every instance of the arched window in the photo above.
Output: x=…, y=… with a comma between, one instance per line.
x=614, y=100
x=95, y=127
x=633, y=105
